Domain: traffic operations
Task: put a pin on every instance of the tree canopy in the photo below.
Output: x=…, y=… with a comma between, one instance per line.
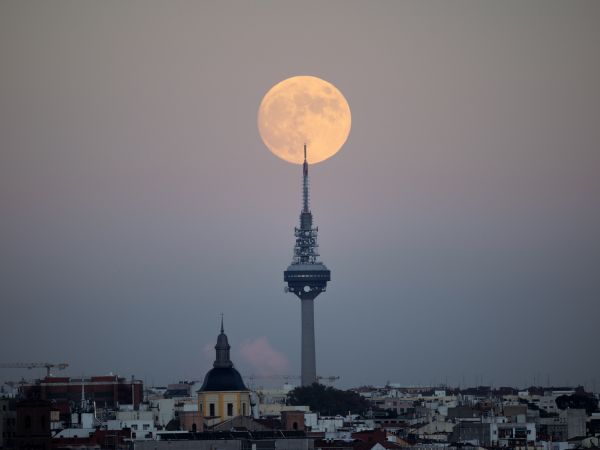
x=328, y=401
x=578, y=401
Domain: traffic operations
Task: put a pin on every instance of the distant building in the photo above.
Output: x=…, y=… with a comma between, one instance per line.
x=8, y=421
x=514, y=411
x=178, y=390
x=576, y=422
x=553, y=429
x=474, y=433
x=464, y=413
x=494, y=433
x=33, y=424
x=230, y=440
x=292, y=420
x=514, y=434
x=106, y=391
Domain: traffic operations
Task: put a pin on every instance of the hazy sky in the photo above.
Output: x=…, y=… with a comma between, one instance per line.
x=460, y=221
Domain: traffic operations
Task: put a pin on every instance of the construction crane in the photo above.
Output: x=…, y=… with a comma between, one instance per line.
x=287, y=378
x=331, y=379
x=48, y=366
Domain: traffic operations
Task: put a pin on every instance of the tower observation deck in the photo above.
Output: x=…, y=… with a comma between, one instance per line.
x=306, y=277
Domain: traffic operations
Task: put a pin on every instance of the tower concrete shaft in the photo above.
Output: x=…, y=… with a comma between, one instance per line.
x=308, y=373
x=306, y=277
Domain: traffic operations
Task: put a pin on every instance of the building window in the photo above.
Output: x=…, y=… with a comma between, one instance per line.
x=212, y=410
x=134, y=427
x=243, y=409
x=146, y=427
x=230, y=409
x=27, y=421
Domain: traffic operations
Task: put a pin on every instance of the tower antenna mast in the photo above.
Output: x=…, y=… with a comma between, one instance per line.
x=307, y=277
x=305, y=203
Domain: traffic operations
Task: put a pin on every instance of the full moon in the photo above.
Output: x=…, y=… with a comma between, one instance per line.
x=304, y=110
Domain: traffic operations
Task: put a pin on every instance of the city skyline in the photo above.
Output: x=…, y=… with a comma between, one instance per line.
x=138, y=201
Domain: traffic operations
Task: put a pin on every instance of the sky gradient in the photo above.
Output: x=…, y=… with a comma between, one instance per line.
x=460, y=220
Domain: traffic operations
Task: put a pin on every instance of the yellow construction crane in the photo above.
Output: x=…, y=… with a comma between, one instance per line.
x=48, y=366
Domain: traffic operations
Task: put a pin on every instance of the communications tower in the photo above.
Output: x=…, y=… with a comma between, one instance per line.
x=306, y=277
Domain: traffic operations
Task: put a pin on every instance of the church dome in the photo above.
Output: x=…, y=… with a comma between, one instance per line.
x=223, y=379
x=223, y=376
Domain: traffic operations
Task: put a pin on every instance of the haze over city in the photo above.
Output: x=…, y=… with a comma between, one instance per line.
x=460, y=219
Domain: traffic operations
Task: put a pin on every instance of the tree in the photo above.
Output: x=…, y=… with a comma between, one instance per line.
x=328, y=400
x=578, y=401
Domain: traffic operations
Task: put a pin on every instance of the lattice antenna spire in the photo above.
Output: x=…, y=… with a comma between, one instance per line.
x=305, y=204
x=306, y=248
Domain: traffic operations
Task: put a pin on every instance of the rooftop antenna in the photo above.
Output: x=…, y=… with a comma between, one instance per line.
x=222, y=329
x=132, y=393
x=82, y=393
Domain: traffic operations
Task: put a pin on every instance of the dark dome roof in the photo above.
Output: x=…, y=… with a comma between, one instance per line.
x=223, y=379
